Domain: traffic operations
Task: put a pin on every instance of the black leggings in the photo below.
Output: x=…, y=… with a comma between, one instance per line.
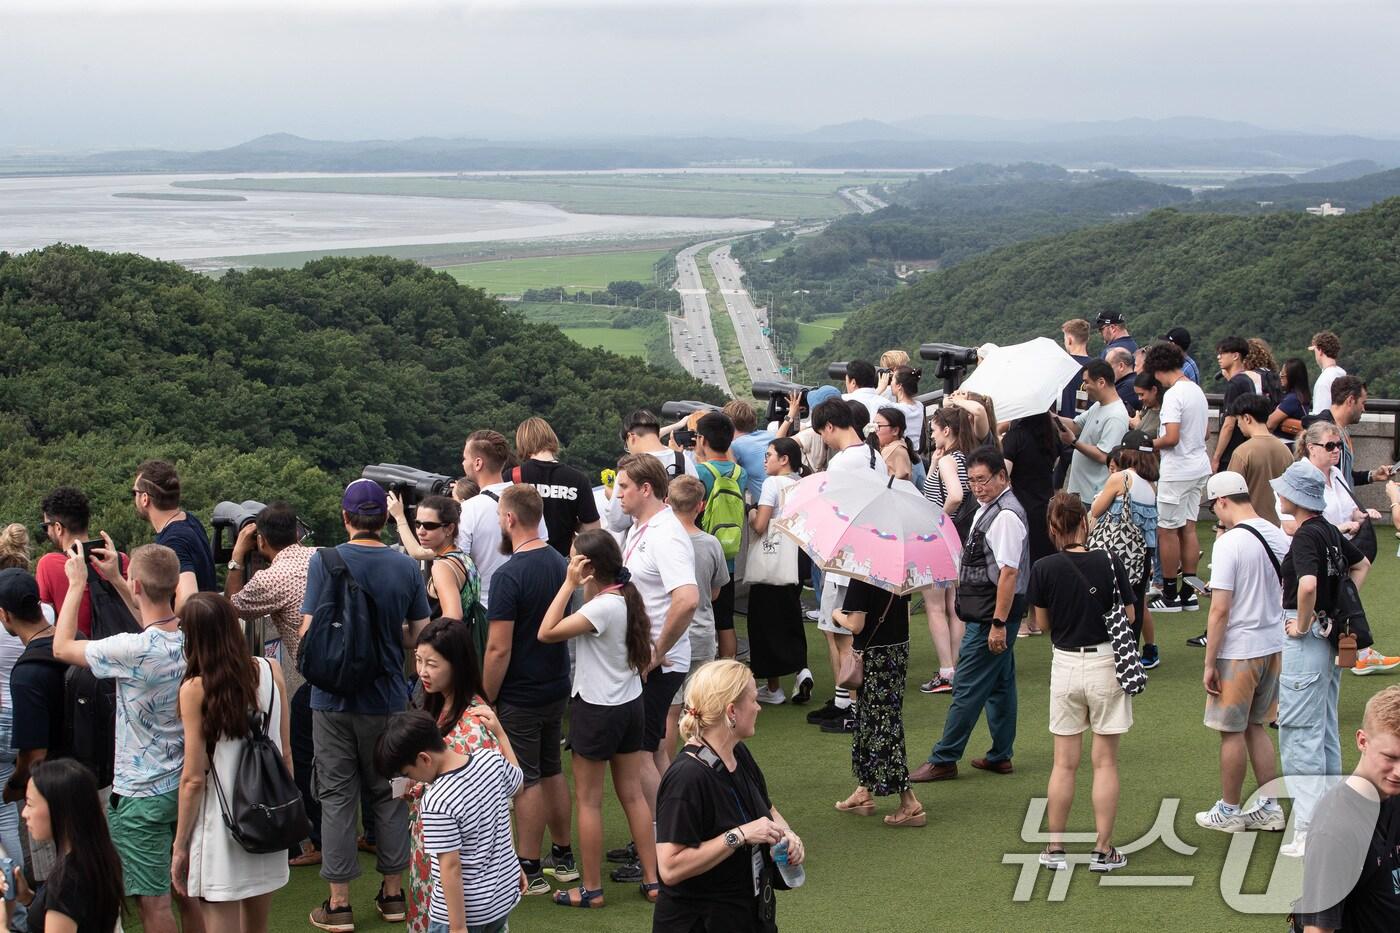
x=1140, y=594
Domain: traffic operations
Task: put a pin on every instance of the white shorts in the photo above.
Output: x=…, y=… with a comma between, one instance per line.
x=833, y=595
x=1179, y=501
x=1084, y=694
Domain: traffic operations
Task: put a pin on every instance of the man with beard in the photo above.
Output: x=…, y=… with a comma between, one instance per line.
x=156, y=495
x=528, y=682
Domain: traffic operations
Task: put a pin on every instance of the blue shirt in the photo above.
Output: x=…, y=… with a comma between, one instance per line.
x=1126, y=342
x=396, y=587
x=1192, y=371
x=749, y=450
x=188, y=540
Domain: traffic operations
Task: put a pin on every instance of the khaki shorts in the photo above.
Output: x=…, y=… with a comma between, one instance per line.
x=1084, y=694
x=1179, y=501
x=1248, y=693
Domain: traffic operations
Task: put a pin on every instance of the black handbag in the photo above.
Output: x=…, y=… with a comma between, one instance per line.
x=1365, y=538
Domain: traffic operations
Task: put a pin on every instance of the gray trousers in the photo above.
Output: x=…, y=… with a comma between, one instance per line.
x=344, y=769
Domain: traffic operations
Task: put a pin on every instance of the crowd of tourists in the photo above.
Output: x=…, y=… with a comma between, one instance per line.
x=427, y=679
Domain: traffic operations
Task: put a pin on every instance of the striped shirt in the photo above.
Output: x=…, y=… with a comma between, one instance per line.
x=467, y=811
x=933, y=482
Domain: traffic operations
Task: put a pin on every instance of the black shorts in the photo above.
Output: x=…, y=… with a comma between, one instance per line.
x=658, y=691
x=600, y=732
x=724, y=608
x=534, y=733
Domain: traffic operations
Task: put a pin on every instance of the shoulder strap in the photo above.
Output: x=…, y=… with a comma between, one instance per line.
x=1112, y=572
x=710, y=467
x=1278, y=569
x=490, y=494
x=680, y=463
x=332, y=560
x=515, y=475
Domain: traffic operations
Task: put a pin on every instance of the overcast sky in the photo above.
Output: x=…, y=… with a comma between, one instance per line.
x=117, y=73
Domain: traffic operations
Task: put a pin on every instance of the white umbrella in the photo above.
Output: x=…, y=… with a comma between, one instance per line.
x=1024, y=379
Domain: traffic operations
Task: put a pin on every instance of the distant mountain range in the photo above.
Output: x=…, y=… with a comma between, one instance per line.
x=923, y=142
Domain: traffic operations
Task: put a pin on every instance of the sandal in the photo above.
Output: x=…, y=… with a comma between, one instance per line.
x=911, y=818
x=865, y=806
x=586, y=898
x=651, y=891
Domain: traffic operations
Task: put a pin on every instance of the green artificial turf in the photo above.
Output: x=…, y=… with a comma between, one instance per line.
x=863, y=876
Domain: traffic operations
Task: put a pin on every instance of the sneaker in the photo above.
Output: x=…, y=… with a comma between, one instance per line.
x=939, y=684
x=1198, y=641
x=829, y=711
x=631, y=873
x=1153, y=591
x=393, y=909
x=334, y=919
x=1053, y=859
x=802, y=692
x=537, y=884
x=812, y=615
x=1373, y=662
x=1189, y=602
x=1150, y=657
x=1265, y=819
x=1218, y=818
x=1160, y=603
x=561, y=867
x=771, y=697
x=625, y=855
x=1295, y=848
x=1103, y=862
x=844, y=724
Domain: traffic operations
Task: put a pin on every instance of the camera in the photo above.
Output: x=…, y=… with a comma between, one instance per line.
x=410, y=484
x=836, y=370
x=777, y=394
x=684, y=438
x=953, y=361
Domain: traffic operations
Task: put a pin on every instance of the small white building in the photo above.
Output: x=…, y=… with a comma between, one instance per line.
x=1327, y=210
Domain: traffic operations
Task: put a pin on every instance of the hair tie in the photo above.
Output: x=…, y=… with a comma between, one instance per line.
x=693, y=711
x=623, y=576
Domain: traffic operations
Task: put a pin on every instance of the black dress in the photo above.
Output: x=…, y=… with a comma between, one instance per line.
x=777, y=640
x=1032, y=480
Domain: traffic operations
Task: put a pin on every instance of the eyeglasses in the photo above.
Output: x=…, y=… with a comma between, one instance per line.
x=978, y=481
x=882, y=427
x=1329, y=446
x=431, y=526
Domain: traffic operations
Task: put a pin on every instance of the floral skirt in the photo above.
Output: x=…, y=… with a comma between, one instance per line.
x=877, y=745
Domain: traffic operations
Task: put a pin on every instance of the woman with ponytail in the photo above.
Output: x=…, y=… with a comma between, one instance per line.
x=714, y=816
x=613, y=640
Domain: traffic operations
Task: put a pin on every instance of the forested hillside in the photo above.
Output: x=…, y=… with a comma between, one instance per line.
x=1280, y=276
x=276, y=383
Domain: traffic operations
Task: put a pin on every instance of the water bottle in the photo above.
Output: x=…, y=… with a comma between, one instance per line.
x=793, y=875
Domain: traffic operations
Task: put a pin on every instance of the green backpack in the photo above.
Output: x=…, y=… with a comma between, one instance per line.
x=724, y=510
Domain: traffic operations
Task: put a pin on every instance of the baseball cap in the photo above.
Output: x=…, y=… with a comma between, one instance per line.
x=1137, y=440
x=1106, y=318
x=1179, y=336
x=19, y=592
x=822, y=394
x=364, y=497
x=1226, y=484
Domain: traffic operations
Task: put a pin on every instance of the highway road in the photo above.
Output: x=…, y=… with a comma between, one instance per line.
x=692, y=336
x=862, y=200
x=749, y=321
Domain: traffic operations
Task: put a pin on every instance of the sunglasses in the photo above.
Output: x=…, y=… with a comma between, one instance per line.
x=431, y=526
x=1329, y=446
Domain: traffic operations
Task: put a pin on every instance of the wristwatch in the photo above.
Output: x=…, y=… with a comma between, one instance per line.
x=998, y=623
x=733, y=839
x=234, y=565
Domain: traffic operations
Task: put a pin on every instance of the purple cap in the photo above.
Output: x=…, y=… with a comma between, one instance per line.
x=365, y=497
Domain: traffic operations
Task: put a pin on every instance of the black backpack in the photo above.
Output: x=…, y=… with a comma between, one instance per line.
x=1271, y=385
x=90, y=703
x=340, y=651
x=265, y=812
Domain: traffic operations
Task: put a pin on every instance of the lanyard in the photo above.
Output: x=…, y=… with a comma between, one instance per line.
x=637, y=535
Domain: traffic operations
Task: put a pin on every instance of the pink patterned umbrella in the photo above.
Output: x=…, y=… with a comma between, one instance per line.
x=884, y=532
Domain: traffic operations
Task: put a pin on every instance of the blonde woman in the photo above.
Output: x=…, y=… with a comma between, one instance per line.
x=713, y=813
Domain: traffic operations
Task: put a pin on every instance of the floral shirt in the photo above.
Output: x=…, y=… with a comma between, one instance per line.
x=148, y=668
x=277, y=592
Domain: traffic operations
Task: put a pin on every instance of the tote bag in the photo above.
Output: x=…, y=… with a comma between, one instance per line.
x=772, y=557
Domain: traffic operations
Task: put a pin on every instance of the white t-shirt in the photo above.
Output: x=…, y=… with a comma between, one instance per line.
x=1322, y=388
x=1102, y=426
x=1185, y=404
x=614, y=519
x=660, y=557
x=1239, y=564
x=913, y=421
x=868, y=397
x=773, y=487
x=479, y=534
x=601, y=674
x=856, y=457
x=1006, y=536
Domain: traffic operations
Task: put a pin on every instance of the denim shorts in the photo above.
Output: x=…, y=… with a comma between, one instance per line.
x=495, y=926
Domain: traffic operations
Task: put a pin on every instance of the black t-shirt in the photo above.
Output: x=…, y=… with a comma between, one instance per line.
x=1319, y=550
x=1238, y=385
x=695, y=803
x=189, y=542
x=875, y=603
x=568, y=499
x=1351, y=869
x=67, y=898
x=521, y=591
x=1068, y=403
x=1076, y=613
x=36, y=695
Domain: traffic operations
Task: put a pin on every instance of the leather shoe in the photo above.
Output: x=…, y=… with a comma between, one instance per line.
x=996, y=767
x=928, y=771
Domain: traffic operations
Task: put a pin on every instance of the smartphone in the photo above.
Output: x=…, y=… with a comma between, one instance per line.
x=89, y=546
x=7, y=868
x=1197, y=584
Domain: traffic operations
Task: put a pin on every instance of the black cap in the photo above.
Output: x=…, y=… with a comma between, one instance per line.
x=1137, y=440
x=19, y=592
x=1106, y=318
x=1179, y=336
